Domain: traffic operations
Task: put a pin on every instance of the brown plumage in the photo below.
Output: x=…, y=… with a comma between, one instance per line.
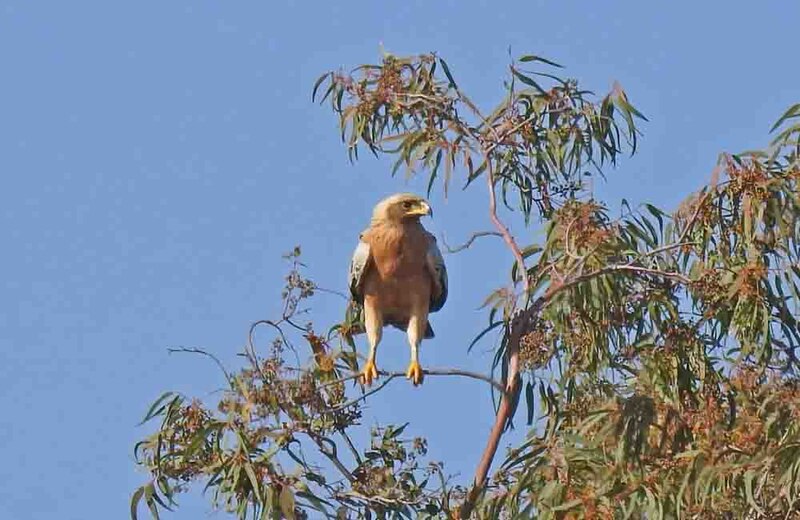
x=398, y=273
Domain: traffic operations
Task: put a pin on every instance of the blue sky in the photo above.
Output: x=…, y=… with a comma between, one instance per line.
x=159, y=157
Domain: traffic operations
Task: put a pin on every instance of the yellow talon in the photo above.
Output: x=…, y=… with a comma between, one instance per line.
x=414, y=373
x=369, y=373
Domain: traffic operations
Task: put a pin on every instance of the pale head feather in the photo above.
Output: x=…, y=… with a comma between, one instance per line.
x=399, y=206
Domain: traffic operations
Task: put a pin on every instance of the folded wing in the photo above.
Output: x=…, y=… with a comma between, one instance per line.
x=438, y=270
x=358, y=269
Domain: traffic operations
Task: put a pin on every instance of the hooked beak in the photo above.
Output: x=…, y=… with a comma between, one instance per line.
x=422, y=209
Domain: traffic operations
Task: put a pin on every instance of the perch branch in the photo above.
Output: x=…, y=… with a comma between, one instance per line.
x=452, y=372
x=428, y=372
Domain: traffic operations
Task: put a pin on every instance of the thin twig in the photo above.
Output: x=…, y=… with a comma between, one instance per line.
x=469, y=242
x=501, y=228
x=381, y=500
x=662, y=249
x=352, y=446
x=363, y=396
x=255, y=324
x=616, y=268
x=500, y=138
x=335, y=381
x=288, y=320
x=467, y=101
x=431, y=99
x=566, y=244
x=331, y=291
x=330, y=454
x=184, y=350
x=252, y=354
x=696, y=213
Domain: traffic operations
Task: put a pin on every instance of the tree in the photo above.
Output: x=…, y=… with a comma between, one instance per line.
x=656, y=351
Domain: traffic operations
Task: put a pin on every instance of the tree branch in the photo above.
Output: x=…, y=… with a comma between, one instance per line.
x=519, y=326
x=452, y=372
x=501, y=228
x=366, y=394
x=428, y=372
x=330, y=454
x=512, y=388
x=331, y=291
x=662, y=249
x=615, y=268
x=469, y=242
x=509, y=397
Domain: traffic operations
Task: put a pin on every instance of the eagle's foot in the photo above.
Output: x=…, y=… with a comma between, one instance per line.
x=414, y=373
x=369, y=373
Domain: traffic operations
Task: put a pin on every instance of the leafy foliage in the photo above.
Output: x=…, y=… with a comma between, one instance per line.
x=656, y=350
x=252, y=447
x=539, y=139
x=665, y=358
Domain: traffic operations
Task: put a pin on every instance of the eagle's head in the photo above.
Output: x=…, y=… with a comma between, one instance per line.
x=401, y=206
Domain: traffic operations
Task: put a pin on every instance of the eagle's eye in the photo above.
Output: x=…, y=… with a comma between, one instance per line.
x=408, y=204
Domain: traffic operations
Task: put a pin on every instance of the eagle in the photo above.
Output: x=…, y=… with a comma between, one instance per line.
x=398, y=274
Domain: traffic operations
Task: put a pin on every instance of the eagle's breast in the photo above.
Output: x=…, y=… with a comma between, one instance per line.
x=400, y=282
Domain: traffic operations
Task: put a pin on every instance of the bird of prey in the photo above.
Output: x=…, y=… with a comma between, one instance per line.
x=398, y=274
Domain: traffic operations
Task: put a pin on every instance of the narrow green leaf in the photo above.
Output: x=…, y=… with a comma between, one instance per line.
x=531, y=57
x=749, y=476
x=157, y=407
x=149, y=491
x=434, y=171
x=447, y=73
x=251, y=475
x=317, y=85
x=286, y=501
x=485, y=331
x=530, y=402
x=527, y=80
x=137, y=496
x=316, y=502
x=568, y=505
x=793, y=111
x=399, y=431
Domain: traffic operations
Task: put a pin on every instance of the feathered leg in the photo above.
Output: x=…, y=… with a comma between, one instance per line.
x=416, y=331
x=373, y=322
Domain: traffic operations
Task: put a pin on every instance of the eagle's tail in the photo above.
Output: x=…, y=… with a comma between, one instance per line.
x=429, y=332
x=354, y=322
x=404, y=326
